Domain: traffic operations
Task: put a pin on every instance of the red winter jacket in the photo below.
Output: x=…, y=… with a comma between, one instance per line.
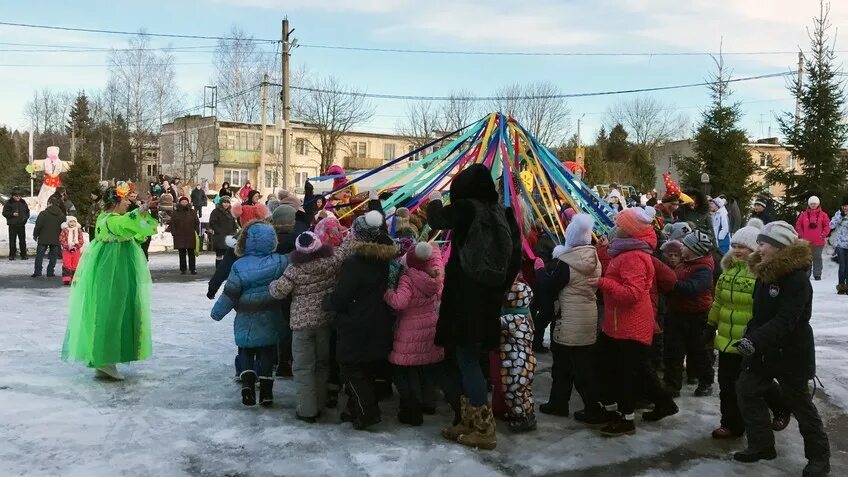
x=627, y=287
x=693, y=292
x=813, y=226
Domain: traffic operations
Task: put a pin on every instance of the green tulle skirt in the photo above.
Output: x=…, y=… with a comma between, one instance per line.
x=109, y=316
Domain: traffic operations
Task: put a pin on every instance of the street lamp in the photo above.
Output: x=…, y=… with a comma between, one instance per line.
x=705, y=183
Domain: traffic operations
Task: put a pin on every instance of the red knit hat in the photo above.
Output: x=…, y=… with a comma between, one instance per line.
x=672, y=190
x=635, y=220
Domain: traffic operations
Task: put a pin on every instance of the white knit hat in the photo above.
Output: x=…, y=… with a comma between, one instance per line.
x=579, y=231
x=813, y=200
x=779, y=234
x=747, y=235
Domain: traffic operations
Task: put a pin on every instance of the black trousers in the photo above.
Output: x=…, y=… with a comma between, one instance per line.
x=359, y=381
x=542, y=312
x=627, y=374
x=574, y=366
x=17, y=239
x=265, y=355
x=684, y=338
x=145, y=246
x=416, y=386
x=191, y=259
x=751, y=389
x=729, y=368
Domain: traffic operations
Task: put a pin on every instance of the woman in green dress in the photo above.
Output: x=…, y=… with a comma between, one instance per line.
x=109, y=316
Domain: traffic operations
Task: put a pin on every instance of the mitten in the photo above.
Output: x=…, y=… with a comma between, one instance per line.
x=745, y=347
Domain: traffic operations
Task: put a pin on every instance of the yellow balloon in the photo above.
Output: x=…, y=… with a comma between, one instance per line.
x=29, y=169
x=528, y=179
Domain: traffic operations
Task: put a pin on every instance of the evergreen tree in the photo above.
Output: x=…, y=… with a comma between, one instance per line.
x=80, y=124
x=617, y=146
x=641, y=172
x=720, y=146
x=122, y=164
x=82, y=178
x=10, y=160
x=597, y=170
x=816, y=137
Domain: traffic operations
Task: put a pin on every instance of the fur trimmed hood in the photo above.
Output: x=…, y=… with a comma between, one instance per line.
x=727, y=261
x=377, y=251
x=797, y=256
x=299, y=258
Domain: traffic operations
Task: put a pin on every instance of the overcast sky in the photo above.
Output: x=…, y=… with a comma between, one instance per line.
x=585, y=26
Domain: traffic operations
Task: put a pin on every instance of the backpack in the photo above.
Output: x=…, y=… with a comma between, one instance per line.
x=488, y=245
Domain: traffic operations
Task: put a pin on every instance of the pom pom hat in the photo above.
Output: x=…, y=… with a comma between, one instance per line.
x=635, y=220
x=366, y=228
x=747, y=235
x=417, y=256
x=308, y=243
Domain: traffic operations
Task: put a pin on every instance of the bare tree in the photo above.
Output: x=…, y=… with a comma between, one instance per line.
x=47, y=111
x=332, y=109
x=459, y=110
x=195, y=143
x=239, y=66
x=145, y=78
x=165, y=95
x=538, y=108
x=648, y=121
x=422, y=120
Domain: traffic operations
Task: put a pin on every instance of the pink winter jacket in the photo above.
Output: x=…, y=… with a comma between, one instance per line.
x=415, y=300
x=813, y=226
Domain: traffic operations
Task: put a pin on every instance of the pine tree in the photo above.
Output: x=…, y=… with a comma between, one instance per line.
x=122, y=164
x=720, y=146
x=10, y=160
x=816, y=137
x=80, y=181
x=597, y=169
x=617, y=146
x=80, y=123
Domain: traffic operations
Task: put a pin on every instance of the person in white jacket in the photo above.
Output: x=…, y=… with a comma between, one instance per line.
x=721, y=224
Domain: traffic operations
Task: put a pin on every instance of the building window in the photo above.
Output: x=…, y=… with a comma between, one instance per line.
x=236, y=177
x=388, y=151
x=300, y=146
x=232, y=138
x=358, y=149
x=765, y=160
x=300, y=179
x=791, y=162
x=271, y=178
x=152, y=170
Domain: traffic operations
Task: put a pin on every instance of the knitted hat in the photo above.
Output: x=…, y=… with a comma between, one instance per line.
x=760, y=202
x=779, y=233
x=579, y=231
x=519, y=295
x=272, y=205
x=747, y=235
x=635, y=220
x=70, y=219
x=307, y=242
x=677, y=230
x=418, y=255
x=672, y=246
x=366, y=228
x=253, y=212
x=405, y=244
x=225, y=198
x=813, y=200
x=672, y=190
x=403, y=226
x=719, y=202
x=698, y=242
x=287, y=198
x=283, y=216
x=329, y=231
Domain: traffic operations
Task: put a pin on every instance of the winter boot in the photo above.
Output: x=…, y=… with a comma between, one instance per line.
x=596, y=415
x=266, y=391
x=554, y=409
x=482, y=434
x=110, y=371
x=704, y=390
x=410, y=413
x=623, y=425
x=816, y=469
x=284, y=370
x=661, y=410
x=780, y=421
x=725, y=433
x=248, y=387
x=750, y=455
x=462, y=422
x=523, y=424
x=362, y=422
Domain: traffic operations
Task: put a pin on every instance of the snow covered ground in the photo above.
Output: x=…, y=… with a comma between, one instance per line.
x=180, y=413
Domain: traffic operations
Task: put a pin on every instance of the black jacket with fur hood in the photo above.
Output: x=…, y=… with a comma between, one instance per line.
x=780, y=327
x=364, y=322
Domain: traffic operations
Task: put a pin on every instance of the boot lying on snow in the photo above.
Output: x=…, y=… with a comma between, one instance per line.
x=482, y=434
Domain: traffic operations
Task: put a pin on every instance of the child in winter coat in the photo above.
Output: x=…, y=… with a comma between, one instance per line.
x=731, y=311
x=258, y=314
x=813, y=225
x=628, y=326
x=688, y=306
x=721, y=224
x=516, y=359
x=839, y=225
x=308, y=279
x=71, y=240
x=364, y=322
x=413, y=352
x=575, y=330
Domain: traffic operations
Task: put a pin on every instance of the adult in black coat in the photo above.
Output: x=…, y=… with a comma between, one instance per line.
x=48, y=226
x=761, y=211
x=221, y=223
x=469, y=317
x=198, y=199
x=225, y=190
x=16, y=212
x=184, y=226
x=364, y=322
x=778, y=344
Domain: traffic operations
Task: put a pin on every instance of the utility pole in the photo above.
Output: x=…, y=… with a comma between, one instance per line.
x=286, y=97
x=101, y=159
x=261, y=175
x=800, y=85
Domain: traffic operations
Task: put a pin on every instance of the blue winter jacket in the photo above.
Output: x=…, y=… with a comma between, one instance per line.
x=258, y=314
x=839, y=226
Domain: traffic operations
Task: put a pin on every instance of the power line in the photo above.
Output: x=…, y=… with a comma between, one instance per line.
x=412, y=51
x=529, y=97
x=225, y=98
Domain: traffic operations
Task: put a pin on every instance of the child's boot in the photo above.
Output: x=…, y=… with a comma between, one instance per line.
x=248, y=387
x=266, y=391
